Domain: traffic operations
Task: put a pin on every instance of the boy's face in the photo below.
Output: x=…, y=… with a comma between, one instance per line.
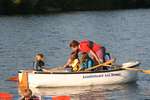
x=38, y=57
x=27, y=94
x=74, y=48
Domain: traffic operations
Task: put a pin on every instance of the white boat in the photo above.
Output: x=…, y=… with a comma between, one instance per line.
x=64, y=79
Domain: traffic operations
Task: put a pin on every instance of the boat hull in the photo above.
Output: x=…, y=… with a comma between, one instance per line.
x=64, y=79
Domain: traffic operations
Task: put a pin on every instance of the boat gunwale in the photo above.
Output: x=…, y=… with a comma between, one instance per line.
x=105, y=71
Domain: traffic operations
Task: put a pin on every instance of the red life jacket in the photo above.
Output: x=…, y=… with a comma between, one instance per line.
x=86, y=46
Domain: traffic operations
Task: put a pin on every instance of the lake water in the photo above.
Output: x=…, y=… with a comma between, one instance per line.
x=125, y=33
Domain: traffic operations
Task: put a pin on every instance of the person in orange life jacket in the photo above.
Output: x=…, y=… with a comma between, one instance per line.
x=95, y=50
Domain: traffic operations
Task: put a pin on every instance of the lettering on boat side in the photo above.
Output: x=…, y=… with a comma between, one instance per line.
x=102, y=75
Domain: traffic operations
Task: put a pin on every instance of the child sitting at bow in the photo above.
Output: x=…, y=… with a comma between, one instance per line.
x=86, y=61
x=39, y=64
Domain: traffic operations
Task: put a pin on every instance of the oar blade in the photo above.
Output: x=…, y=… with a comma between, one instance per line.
x=146, y=71
x=13, y=78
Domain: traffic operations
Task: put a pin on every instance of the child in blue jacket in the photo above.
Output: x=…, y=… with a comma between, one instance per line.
x=86, y=61
x=39, y=62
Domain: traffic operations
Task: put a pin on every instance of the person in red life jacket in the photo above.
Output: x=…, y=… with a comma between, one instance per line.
x=97, y=51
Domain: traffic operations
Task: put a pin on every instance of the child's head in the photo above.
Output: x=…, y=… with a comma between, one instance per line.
x=39, y=57
x=27, y=93
x=84, y=56
x=74, y=45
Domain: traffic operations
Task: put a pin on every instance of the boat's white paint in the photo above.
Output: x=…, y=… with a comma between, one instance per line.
x=58, y=80
x=129, y=64
x=81, y=79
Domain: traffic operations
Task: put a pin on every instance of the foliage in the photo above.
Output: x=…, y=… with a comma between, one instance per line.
x=31, y=6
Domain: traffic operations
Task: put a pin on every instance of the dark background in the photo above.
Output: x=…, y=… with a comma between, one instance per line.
x=46, y=6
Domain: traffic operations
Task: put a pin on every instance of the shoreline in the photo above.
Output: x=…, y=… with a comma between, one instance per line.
x=8, y=7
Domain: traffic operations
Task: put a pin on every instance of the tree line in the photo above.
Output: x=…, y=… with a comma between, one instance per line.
x=42, y=6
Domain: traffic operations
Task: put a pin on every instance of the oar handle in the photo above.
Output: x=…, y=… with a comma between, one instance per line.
x=134, y=69
x=100, y=65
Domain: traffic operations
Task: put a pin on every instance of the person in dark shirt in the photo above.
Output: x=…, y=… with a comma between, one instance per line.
x=39, y=62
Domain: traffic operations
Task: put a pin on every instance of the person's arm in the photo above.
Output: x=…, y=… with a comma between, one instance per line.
x=34, y=65
x=95, y=56
x=68, y=62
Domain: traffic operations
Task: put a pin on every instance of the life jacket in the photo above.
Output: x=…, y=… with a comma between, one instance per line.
x=75, y=65
x=107, y=56
x=87, y=45
x=37, y=65
x=85, y=64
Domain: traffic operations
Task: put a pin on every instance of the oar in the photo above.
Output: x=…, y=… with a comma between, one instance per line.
x=12, y=78
x=100, y=65
x=139, y=70
x=23, y=83
x=94, y=67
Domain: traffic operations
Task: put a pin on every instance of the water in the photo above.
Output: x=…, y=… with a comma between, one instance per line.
x=125, y=33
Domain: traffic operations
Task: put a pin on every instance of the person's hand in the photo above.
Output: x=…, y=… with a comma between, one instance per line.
x=33, y=72
x=65, y=66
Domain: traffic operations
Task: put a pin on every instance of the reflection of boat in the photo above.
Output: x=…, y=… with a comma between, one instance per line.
x=100, y=92
x=76, y=93
x=60, y=90
x=60, y=79
x=78, y=90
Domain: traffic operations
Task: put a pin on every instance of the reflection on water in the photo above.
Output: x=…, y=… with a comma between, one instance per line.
x=103, y=92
